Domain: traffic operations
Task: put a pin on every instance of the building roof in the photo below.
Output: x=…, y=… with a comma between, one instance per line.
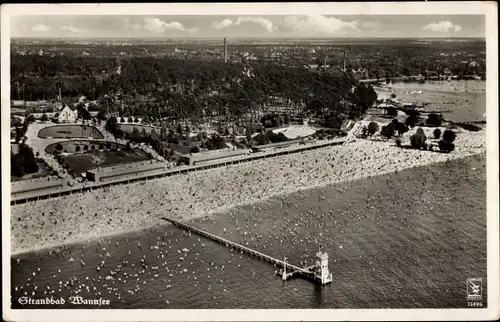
x=72, y=108
x=217, y=154
x=278, y=144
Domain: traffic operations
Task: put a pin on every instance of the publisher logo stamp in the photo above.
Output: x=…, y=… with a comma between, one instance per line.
x=475, y=289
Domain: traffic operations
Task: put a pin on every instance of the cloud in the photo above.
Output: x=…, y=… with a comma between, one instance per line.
x=442, y=26
x=157, y=25
x=367, y=25
x=265, y=23
x=70, y=28
x=222, y=24
x=318, y=24
x=40, y=28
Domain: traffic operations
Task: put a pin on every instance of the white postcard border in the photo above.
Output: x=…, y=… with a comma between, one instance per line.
x=489, y=9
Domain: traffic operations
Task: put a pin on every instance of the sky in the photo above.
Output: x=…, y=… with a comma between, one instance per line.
x=240, y=26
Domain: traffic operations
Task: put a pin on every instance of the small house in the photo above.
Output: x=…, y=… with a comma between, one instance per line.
x=67, y=115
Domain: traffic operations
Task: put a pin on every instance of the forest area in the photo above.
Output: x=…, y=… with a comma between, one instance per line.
x=178, y=88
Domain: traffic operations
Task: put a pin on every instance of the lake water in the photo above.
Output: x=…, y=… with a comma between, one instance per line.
x=391, y=244
x=459, y=101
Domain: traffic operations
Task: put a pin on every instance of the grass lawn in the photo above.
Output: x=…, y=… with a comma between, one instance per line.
x=70, y=131
x=80, y=162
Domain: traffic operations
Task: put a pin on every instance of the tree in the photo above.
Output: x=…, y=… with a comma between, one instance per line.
x=401, y=128
x=59, y=147
x=85, y=147
x=276, y=137
x=15, y=122
x=112, y=125
x=216, y=142
x=262, y=139
x=418, y=139
x=122, y=119
x=101, y=115
x=412, y=120
x=434, y=119
x=119, y=134
x=398, y=142
x=446, y=147
x=392, y=111
x=24, y=162
x=135, y=136
x=437, y=133
x=286, y=119
x=388, y=131
x=82, y=112
x=393, y=96
x=77, y=148
x=93, y=107
x=334, y=121
x=449, y=136
x=364, y=132
x=412, y=111
x=44, y=118
x=373, y=128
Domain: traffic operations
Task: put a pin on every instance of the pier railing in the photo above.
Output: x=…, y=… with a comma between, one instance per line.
x=288, y=271
x=228, y=243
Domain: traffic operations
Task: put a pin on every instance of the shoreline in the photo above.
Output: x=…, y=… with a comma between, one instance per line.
x=95, y=236
x=137, y=206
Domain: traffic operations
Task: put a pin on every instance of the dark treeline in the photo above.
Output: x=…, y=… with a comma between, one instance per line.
x=178, y=88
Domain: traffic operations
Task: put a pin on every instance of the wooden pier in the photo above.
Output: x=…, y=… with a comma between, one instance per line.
x=288, y=270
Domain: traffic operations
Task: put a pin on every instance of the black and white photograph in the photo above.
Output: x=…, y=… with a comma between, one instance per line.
x=266, y=157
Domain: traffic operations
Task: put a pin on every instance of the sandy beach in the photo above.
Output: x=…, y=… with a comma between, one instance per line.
x=36, y=225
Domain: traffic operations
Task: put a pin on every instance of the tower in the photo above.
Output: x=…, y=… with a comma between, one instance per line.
x=344, y=63
x=225, y=50
x=284, y=269
x=322, y=272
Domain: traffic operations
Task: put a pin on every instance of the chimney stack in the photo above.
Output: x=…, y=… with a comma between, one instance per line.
x=225, y=50
x=344, y=62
